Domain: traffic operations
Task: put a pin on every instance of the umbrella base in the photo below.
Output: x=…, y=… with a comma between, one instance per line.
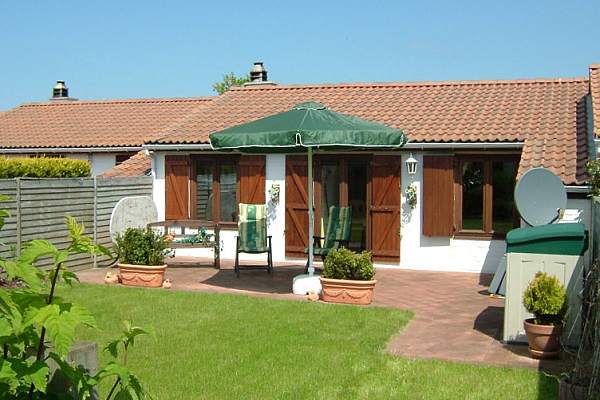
x=305, y=284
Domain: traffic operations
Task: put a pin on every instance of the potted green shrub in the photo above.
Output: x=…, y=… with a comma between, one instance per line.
x=545, y=298
x=141, y=255
x=348, y=277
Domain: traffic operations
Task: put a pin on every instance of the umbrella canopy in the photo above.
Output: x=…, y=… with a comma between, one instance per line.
x=308, y=124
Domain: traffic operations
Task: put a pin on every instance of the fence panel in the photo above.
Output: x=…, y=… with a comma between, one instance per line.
x=8, y=234
x=38, y=208
x=108, y=192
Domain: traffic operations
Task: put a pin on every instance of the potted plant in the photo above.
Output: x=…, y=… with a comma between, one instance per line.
x=348, y=277
x=546, y=298
x=141, y=255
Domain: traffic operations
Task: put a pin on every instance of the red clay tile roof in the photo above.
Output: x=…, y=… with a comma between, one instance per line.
x=547, y=114
x=82, y=123
x=595, y=94
x=137, y=165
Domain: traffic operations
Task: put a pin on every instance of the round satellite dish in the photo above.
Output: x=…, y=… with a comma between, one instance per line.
x=132, y=212
x=540, y=197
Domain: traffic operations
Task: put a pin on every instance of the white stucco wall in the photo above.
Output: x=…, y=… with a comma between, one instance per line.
x=439, y=253
x=99, y=162
x=102, y=162
x=416, y=250
x=158, y=187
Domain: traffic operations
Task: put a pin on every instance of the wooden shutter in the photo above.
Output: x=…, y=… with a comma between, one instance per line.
x=438, y=195
x=296, y=206
x=384, y=207
x=252, y=179
x=177, y=179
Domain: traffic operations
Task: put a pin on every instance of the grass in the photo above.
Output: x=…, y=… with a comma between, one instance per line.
x=213, y=346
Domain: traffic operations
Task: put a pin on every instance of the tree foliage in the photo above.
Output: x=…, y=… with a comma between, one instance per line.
x=32, y=316
x=229, y=81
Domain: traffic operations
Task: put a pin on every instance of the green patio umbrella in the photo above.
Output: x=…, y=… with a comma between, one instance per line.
x=305, y=127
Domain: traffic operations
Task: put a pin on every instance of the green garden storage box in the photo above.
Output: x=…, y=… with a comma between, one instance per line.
x=556, y=249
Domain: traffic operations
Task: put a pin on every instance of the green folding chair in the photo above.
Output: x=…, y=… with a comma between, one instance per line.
x=337, y=233
x=252, y=236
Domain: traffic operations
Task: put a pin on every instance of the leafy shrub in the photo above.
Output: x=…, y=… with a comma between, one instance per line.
x=139, y=246
x=43, y=167
x=593, y=169
x=31, y=316
x=546, y=298
x=345, y=264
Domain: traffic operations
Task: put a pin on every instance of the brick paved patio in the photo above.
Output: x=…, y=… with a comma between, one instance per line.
x=454, y=319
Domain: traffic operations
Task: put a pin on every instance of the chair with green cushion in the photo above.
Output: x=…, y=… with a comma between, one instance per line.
x=252, y=236
x=337, y=233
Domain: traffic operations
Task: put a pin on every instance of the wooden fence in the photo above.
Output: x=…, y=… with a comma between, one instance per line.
x=38, y=208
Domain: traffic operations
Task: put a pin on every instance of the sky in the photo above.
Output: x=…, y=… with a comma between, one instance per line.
x=133, y=49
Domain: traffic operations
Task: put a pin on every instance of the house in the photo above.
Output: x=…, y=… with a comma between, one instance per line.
x=471, y=141
x=104, y=132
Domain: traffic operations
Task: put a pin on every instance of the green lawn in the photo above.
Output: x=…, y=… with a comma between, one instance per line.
x=211, y=346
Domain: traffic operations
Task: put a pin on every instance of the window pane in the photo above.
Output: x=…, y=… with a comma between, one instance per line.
x=503, y=206
x=330, y=192
x=472, y=206
x=228, y=181
x=204, y=196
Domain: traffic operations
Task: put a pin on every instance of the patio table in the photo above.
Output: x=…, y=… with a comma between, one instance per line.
x=193, y=224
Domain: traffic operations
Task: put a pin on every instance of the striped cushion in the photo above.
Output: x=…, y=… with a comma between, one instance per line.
x=339, y=226
x=252, y=228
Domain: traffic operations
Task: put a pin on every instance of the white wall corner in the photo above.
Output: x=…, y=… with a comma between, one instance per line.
x=275, y=175
x=158, y=185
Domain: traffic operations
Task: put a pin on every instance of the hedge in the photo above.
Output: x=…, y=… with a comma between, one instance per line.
x=43, y=167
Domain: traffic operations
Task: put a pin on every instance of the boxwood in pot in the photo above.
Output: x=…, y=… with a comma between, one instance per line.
x=141, y=257
x=546, y=298
x=348, y=277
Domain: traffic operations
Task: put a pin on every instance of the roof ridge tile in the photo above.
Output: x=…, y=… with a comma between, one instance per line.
x=394, y=84
x=149, y=100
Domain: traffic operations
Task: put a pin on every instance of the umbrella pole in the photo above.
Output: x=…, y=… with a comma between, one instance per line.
x=311, y=214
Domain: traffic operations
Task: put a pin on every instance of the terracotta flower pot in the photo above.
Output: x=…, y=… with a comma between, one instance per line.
x=544, y=340
x=142, y=275
x=347, y=291
x=567, y=391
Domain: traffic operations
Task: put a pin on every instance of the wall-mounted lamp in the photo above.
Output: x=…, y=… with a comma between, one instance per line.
x=411, y=164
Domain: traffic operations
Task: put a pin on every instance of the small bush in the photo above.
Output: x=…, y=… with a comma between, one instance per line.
x=346, y=264
x=139, y=246
x=43, y=167
x=546, y=298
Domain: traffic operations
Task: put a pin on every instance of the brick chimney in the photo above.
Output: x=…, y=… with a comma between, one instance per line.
x=60, y=91
x=258, y=75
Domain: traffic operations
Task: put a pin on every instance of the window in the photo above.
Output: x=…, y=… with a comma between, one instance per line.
x=216, y=189
x=47, y=155
x=484, y=195
x=120, y=158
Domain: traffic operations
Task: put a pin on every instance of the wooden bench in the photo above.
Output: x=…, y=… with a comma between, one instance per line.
x=193, y=224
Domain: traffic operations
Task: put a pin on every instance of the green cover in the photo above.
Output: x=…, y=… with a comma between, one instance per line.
x=252, y=228
x=308, y=124
x=565, y=239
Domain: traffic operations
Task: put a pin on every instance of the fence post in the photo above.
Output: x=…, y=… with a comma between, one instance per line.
x=95, y=230
x=18, y=217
